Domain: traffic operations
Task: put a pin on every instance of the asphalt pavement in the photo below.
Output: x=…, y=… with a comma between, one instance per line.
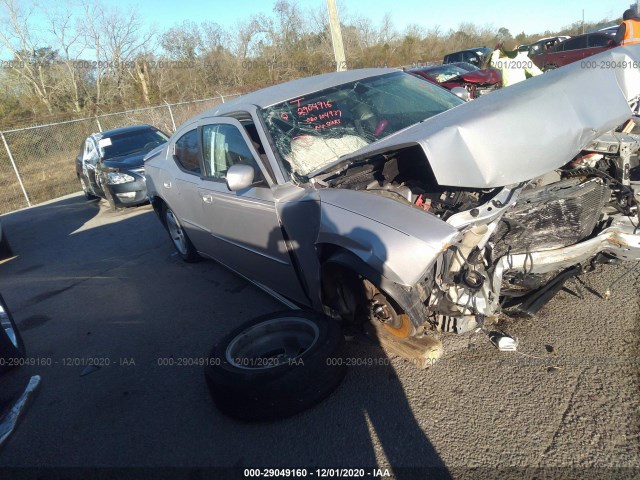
x=88, y=283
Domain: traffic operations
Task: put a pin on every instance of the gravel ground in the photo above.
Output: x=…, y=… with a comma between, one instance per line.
x=88, y=282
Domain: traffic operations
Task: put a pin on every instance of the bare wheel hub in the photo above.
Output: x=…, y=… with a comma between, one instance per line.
x=383, y=311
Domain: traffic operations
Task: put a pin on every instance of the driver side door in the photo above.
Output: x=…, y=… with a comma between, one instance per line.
x=245, y=223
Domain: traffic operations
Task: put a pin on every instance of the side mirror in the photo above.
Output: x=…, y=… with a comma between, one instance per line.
x=462, y=93
x=239, y=177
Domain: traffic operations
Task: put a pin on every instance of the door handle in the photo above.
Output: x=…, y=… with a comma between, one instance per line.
x=206, y=198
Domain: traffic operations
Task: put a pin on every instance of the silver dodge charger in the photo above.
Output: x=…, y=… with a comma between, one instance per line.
x=371, y=195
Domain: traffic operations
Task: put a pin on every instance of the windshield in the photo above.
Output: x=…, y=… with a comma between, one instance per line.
x=467, y=66
x=138, y=141
x=445, y=72
x=315, y=130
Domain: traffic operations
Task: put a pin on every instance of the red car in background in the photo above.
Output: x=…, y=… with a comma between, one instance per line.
x=573, y=49
x=477, y=82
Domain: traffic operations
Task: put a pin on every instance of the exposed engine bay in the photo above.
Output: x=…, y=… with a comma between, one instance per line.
x=520, y=243
x=405, y=176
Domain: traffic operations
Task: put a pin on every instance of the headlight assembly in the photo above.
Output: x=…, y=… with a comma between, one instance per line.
x=115, y=178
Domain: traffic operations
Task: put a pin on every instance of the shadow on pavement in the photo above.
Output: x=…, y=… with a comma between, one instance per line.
x=91, y=284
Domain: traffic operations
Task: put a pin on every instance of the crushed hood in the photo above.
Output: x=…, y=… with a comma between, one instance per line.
x=525, y=130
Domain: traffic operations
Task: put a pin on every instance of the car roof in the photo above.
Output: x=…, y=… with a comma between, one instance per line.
x=128, y=129
x=590, y=34
x=295, y=88
x=484, y=50
x=583, y=35
x=610, y=28
x=463, y=65
x=426, y=69
x=431, y=68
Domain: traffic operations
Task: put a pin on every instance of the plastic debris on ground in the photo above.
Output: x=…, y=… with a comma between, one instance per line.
x=89, y=369
x=503, y=342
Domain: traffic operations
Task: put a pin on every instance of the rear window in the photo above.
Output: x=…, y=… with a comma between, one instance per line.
x=599, y=40
x=470, y=57
x=452, y=57
x=187, y=153
x=575, y=44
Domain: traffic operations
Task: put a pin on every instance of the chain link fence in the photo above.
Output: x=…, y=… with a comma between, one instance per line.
x=38, y=163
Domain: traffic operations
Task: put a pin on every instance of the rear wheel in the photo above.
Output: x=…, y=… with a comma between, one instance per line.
x=11, y=344
x=179, y=236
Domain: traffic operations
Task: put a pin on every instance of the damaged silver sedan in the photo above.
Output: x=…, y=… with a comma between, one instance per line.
x=372, y=195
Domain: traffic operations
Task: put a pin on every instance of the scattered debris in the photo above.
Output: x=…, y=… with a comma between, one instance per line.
x=628, y=270
x=553, y=369
x=549, y=348
x=503, y=342
x=10, y=420
x=89, y=369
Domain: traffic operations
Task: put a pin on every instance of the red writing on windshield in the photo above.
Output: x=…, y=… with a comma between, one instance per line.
x=304, y=110
x=324, y=116
x=330, y=123
x=320, y=113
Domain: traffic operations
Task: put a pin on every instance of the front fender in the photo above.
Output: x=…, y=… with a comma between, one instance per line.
x=398, y=241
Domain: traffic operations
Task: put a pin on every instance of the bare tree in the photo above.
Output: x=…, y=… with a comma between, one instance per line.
x=182, y=42
x=68, y=37
x=214, y=37
x=94, y=39
x=116, y=40
x=29, y=60
x=387, y=33
x=125, y=38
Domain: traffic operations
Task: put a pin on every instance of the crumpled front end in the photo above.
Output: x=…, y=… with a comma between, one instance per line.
x=520, y=247
x=560, y=143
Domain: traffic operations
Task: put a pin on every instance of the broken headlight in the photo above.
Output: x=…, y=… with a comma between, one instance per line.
x=114, y=178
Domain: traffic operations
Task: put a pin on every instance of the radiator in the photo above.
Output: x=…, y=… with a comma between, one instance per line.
x=551, y=216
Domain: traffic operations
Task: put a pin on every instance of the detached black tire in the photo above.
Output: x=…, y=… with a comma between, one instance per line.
x=179, y=236
x=11, y=344
x=276, y=365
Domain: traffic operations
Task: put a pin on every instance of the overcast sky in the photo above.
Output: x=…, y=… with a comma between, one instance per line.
x=531, y=17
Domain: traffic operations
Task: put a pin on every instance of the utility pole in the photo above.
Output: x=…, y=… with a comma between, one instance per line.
x=336, y=36
x=583, y=19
